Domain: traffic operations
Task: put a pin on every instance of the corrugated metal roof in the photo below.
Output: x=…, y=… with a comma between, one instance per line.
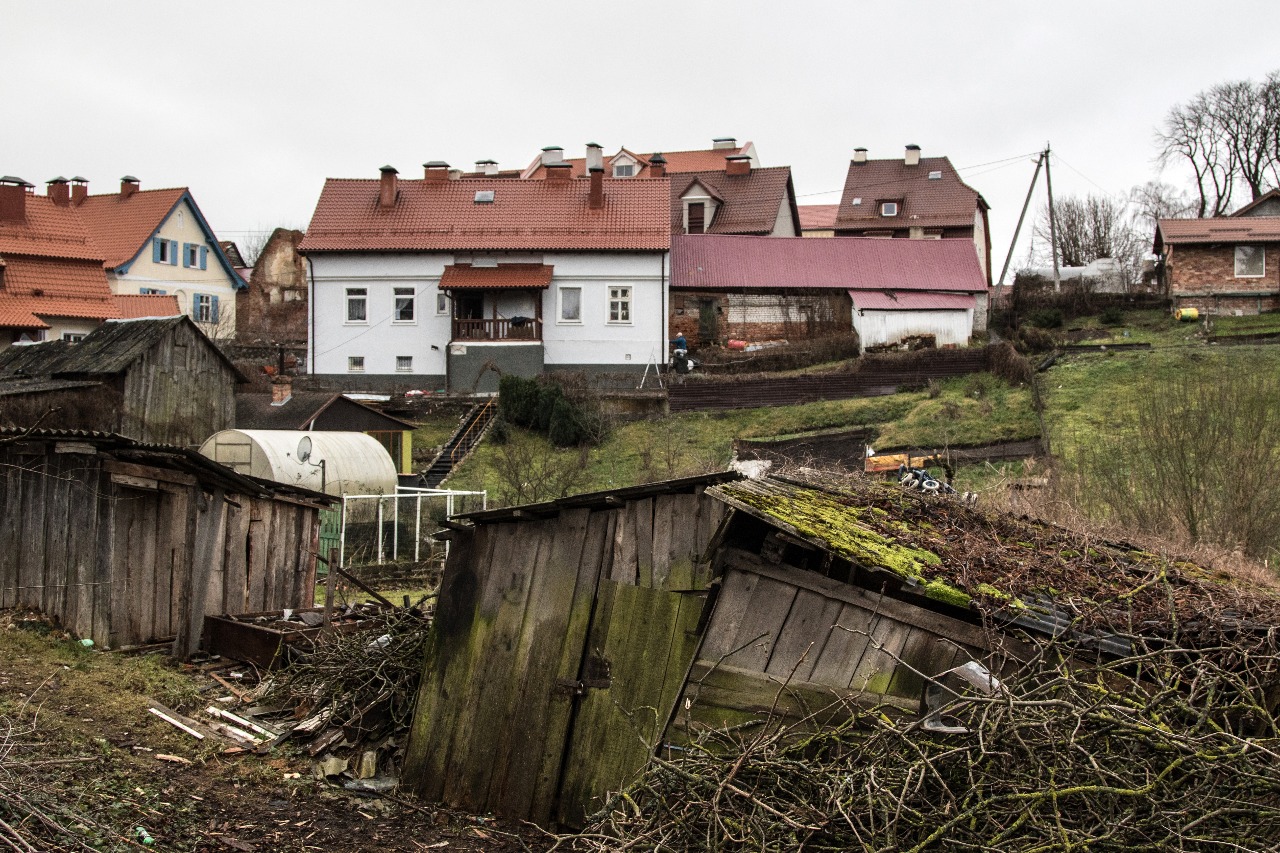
x=1222, y=229
x=716, y=262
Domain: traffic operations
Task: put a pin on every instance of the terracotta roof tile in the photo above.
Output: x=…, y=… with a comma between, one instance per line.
x=503, y=276
x=750, y=202
x=1222, y=229
x=524, y=215
x=50, y=230
x=31, y=288
x=817, y=216
x=678, y=162
x=709, y=261
x=944, y=202
x=120, y=226
x=134, y=306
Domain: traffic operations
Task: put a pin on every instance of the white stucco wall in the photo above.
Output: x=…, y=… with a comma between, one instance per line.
x=783, y=226
x=182, y=227
x=379, y=340
x=884, y=327
x=980, y=241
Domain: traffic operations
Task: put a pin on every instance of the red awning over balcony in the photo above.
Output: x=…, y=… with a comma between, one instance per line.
x=501, y=277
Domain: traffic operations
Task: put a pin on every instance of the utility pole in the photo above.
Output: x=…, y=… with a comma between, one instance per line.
x=1021, y=216
x=1053, y=224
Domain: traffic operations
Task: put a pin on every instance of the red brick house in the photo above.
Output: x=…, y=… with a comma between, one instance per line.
x=913, y=197
x=1224, y=265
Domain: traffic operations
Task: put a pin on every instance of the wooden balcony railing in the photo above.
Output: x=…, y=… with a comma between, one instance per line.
x=510, y=329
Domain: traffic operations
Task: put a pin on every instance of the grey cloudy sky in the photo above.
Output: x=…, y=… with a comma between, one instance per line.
x=253, y=104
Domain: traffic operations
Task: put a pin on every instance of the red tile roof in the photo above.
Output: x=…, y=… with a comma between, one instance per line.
x=818, y=216
x=503, y=276
x=134, y=306
x=709, y=261
x=678, y=162
x=49, y=230
x=749, y=203
x=120, y=226
x=904, y=300
x=944, y=202
x=1222, y=229
x=524, y=215
x=32, y=288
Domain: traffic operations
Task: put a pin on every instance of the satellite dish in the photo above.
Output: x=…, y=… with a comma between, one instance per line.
x=304, y=449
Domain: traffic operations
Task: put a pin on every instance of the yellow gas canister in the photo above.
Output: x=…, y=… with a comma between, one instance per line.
x=1187, y=315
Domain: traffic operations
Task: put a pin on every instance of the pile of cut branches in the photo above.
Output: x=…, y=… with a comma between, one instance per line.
x=1168, y=748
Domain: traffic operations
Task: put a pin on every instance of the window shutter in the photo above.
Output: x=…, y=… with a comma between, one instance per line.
x=204, y=258
x=186, y=248
x=173, y=252
x=213, y=309
x=155, y=250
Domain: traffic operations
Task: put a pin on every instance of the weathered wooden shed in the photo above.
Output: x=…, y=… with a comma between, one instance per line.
x=575, y=639
x=155, y=380
x=130, y=543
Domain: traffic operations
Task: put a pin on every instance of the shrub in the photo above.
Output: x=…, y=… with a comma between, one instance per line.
x=549, y=394
x=1046, y=318
x=518, y=400
x=1112, y=315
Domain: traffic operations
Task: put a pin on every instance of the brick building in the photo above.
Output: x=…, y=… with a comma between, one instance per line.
x=1225, y=265
x=273, y=308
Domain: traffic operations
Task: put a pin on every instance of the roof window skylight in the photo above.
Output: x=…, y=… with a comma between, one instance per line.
x=935, y=176
x=484, y=196
x=858, y=200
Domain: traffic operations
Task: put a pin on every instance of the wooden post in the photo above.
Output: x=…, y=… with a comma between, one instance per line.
x=328, y=586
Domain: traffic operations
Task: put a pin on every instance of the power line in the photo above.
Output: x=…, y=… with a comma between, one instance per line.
x=1000, y=164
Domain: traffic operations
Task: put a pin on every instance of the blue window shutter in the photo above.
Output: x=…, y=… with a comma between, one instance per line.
x=213, y=310
x=204, y=258
x=173, y=252
x=155, y=250
x=186, y=247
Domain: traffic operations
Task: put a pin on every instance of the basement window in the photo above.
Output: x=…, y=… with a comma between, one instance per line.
x=1251, y=261
x=355, y=364
x=404, y=364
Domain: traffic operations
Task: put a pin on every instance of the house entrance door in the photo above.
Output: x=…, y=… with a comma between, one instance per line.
x=708, y=321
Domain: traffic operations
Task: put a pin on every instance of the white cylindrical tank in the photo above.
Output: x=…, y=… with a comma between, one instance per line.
x=336, y=463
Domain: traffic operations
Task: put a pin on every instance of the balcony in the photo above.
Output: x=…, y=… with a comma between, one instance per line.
x=502, y=329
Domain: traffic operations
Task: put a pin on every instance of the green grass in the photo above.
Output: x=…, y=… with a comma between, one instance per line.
x=1149, y=326
x=432, y=432
x=1255, y=324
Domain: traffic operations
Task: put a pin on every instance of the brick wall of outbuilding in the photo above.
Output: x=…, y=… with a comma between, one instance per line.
x=1203, y=277
x=758, y=316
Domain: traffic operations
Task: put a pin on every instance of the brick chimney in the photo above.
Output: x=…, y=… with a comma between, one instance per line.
x=435, y=171
x=738, y=164
x=59, y=191
x=597, y=188
x=487, y=167
x=552, y=154
x=724, y=142
x=595, y=156
x=387, y=187
x=558, y=171
x=657, y=166
x=281, y=390
x=912, y=157
x=859, y=155
x=128, y=186
x=79, y=190
x=13, y=199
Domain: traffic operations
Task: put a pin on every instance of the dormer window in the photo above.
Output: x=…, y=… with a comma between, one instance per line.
x=624, y=170
x=697, y=217
x=888, y=208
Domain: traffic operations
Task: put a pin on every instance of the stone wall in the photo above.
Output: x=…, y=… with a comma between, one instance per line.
x=274, y=306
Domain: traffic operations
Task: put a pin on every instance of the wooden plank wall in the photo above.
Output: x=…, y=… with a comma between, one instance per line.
x=178, y=392
x=523, y=604
x=132, y=564
x=789, y=642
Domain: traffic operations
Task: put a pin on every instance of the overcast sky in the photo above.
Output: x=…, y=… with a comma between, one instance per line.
x=253, y=104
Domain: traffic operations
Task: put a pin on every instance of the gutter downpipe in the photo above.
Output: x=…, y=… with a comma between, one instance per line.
x=311, y=331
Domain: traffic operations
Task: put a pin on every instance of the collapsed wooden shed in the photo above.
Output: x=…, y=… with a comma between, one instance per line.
x=575, y=639
x=129, y=543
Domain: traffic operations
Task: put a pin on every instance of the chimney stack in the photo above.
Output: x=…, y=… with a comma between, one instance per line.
x=435, y=171
x=79, y=190
x=128, y=186
x=558, y=171
x=59, y=191
x=657, y=166
x=738, y=164
x=913, y=155
x=281, y=390
x=387, y=189
x=859, y=155
x=488, y=168
x=597, y=188
x=552, y=154
x=13, y=199
x=724, y=142
x=595, y=156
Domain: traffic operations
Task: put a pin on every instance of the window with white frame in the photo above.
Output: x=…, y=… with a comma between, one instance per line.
x=404, y=364
x=889, y=208
x=571, y=305
x=619, y=305
x=1251, y=261
x=204, y=308
x=164, y=251
x=403, y=312
x=355, y=364
x=193, y=256
x=357, y=305
x=624, y=170
x=73, y=337
x=442, y=303
x=150, y=291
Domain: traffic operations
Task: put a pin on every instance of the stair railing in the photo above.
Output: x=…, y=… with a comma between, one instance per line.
x=463, y=442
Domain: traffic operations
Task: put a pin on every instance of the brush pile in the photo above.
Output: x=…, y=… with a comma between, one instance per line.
x=1167, y=748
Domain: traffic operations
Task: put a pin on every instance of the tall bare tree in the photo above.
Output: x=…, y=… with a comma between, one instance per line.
x=1094, y=227
x=1155, y=200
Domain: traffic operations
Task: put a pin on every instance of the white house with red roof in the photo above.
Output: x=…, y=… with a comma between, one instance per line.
x=912, y=197
x=754, y=288
x=448, y=281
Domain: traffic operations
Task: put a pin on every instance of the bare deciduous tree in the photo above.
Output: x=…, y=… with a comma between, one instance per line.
x=1155, y=200
x=1095, y=227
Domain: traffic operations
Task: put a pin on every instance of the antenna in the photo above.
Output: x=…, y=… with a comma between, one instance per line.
x=304, y=449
